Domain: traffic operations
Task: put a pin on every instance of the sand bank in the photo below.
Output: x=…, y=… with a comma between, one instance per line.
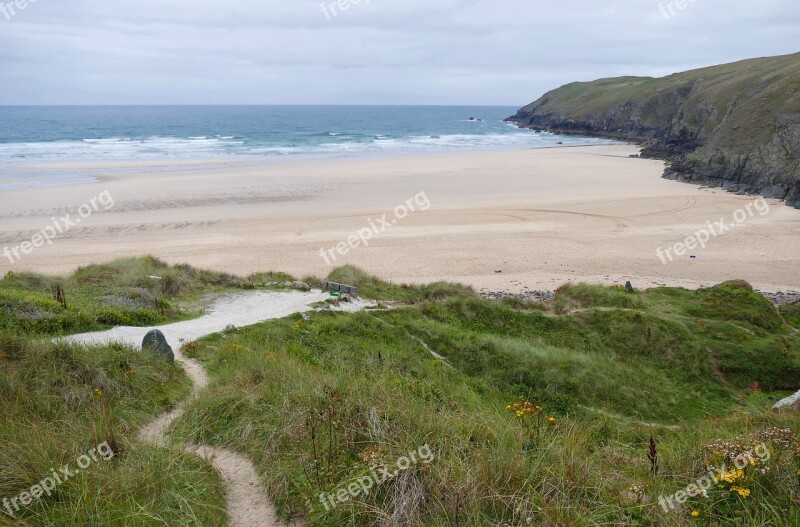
x=542, y=216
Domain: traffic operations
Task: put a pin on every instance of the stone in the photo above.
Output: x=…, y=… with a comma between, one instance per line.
x=790, y=403
x=629, y=287
x=136, y=297
x=300, y=286
x=155, y=342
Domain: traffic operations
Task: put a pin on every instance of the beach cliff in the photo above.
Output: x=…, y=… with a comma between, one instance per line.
x=735, y=126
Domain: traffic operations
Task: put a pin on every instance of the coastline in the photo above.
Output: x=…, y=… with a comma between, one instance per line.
x=542, y=216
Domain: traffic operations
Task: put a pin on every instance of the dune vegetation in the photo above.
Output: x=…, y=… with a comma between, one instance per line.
x=130, y=292
x=59, y=403
x=583, y=411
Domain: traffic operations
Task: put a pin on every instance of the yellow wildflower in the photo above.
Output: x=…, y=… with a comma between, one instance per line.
x=524, y=408
x=741, y=491
x=695, y=514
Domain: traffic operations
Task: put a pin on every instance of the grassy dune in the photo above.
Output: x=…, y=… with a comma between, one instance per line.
x=317, y=404
x=129, y=292
x=310, y=401
x=59, y=402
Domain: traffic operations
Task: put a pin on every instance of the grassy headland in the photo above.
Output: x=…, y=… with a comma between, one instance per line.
x=734, y=125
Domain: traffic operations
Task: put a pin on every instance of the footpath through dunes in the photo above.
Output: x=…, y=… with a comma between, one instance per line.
x=248, y=503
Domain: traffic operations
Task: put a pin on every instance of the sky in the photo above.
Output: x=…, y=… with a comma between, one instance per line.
x=470, y=52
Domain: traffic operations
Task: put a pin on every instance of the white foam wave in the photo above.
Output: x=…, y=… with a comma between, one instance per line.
x=205, y=146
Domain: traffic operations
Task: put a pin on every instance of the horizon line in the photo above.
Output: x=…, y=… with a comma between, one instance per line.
x=263, y=104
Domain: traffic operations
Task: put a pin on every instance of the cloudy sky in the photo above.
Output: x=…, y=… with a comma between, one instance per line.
x=504, y=52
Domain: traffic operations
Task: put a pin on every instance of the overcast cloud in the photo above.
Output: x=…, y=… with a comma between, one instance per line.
x=505, y=52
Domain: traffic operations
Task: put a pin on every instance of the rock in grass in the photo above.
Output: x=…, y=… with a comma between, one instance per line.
x=790, y=403
x=629, y=287
x=301, y=286
x=155, y=342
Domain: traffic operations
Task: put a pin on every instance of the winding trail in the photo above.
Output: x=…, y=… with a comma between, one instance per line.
x=248, y=503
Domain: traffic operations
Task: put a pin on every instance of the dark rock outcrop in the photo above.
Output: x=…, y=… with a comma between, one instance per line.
x=155, y=342
x=735, y=126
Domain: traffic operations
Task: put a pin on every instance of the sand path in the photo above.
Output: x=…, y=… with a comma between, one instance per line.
x=248, y=503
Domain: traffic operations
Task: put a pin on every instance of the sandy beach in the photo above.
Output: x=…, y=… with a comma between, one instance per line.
x=543, y=217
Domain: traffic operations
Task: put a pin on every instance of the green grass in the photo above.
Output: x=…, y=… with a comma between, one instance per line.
x=59, y=401
x=371, y=287
x=307, y=400
x=129, y=292
x=313, y=403
x=791, y=313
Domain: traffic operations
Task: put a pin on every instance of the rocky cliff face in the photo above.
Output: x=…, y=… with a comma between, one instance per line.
x=735, y=126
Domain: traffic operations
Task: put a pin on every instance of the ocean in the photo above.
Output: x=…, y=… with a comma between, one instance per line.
x=32, y=135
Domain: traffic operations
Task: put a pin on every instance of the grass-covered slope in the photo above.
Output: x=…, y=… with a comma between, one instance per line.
x=61, y=402
x=129, y=292
x=534, y=414
x=734, y=125
x=316, y=403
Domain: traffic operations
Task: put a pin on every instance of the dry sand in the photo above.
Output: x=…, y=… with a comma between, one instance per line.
x=544, y=217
